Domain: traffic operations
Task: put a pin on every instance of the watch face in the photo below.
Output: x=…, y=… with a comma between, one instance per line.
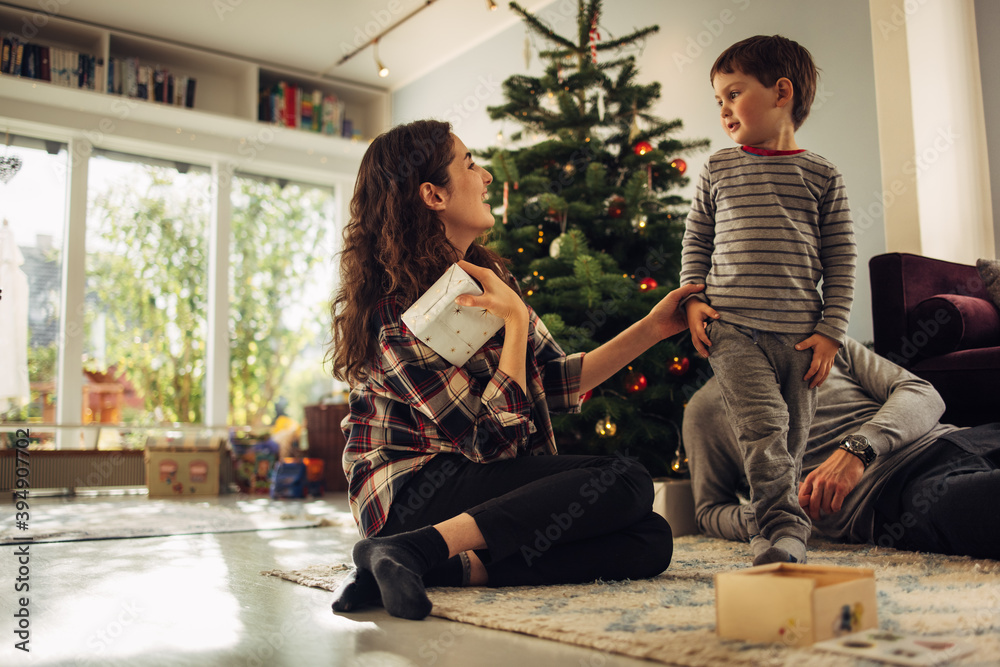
x=859, y=445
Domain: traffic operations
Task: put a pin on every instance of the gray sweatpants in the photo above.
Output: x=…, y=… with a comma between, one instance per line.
x=771, y=408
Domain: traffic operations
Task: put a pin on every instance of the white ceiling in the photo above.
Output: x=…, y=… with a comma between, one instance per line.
x=310, y=35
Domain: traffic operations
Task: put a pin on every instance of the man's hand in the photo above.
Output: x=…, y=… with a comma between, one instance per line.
x=824, y=489
x=824, y=350
x=698, y=314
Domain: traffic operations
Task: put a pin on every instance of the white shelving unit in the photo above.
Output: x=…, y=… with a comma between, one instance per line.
x=222, y=123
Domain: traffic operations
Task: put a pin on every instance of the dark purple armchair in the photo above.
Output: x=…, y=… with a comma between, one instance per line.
x=936, y=319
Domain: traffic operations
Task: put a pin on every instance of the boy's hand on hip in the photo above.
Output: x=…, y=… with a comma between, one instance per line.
x=698, y=314
x=824, y=350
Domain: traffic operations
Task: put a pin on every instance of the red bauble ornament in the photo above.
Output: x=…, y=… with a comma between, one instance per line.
x=679, y=366
x=679, y=164
x=616, y=206
x=635, y=382
x=647, y=284
x=585, y=396
x=642, y=148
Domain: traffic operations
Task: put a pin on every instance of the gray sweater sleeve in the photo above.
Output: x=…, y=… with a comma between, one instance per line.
x=699, y=236
x=839, y=257
x=908, y=407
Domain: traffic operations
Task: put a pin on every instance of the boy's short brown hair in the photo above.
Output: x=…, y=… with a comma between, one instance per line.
x=769, y=59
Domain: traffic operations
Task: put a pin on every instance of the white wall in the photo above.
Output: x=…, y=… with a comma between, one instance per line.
x=842, y=127
x=953, y=190
x=988, y=30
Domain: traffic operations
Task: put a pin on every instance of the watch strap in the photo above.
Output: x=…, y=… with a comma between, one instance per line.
x=864, y=459
x=860, y=447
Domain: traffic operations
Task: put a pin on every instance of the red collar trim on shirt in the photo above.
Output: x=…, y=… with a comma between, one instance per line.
x=769, y=152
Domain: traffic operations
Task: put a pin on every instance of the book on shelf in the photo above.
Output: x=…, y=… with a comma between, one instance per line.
x=48, y=63
x=290, y=105
x=130, y=78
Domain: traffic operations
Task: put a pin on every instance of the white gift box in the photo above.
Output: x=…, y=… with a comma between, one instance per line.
x=453, y=331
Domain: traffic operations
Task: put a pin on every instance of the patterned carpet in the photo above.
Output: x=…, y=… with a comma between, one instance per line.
x=671, y=618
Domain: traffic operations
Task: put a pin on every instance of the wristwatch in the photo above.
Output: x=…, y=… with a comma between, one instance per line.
x=860, y=447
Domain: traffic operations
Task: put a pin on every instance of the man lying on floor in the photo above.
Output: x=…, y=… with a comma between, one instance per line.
x=878, y=466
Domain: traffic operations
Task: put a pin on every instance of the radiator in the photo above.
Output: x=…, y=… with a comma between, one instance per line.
x=68, y=469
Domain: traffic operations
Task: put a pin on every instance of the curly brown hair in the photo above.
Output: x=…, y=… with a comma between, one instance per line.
x=394, y=244
x=769, y=58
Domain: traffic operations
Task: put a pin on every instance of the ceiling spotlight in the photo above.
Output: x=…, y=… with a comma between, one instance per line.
x=383, y=71
x=492, y=5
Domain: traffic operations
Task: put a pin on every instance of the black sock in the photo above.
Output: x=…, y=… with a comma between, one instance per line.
x=399, y=562
x=359, y=590
x=452, y=573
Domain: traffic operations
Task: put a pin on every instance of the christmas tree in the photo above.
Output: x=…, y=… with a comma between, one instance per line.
x=589, y=215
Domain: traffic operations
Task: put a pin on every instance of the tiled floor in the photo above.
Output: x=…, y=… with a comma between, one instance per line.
x=200, y=600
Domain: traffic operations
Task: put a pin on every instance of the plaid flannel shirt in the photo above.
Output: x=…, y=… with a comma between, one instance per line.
x=415, y=405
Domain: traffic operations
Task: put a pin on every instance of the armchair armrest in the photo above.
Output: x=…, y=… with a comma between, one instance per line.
x=900, y=281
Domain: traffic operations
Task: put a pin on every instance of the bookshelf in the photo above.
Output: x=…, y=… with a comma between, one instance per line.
x=226, y=101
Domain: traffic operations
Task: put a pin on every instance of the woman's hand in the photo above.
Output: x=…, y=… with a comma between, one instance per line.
x=664, y=320
x=668, y=316
x=497, y=298
x=500, y=300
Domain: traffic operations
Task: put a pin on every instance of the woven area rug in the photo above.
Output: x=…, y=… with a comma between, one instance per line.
x=110, y=520
x=671, y=618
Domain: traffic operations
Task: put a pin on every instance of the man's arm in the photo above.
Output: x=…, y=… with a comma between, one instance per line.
x=910, y=408
x=716, y=469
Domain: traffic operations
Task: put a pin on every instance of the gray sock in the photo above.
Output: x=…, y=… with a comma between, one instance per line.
x=784, y=550
x=795, y=547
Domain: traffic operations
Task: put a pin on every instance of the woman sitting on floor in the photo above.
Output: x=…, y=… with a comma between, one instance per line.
x=447, y=478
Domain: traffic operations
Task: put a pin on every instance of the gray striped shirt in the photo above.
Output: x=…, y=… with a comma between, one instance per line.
x=762, y=234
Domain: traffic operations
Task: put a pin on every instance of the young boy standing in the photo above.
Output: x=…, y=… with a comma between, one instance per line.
x=769, y=223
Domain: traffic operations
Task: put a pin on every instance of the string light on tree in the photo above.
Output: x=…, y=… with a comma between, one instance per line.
x=606, y=428
x=679, y=366
x=680, y=463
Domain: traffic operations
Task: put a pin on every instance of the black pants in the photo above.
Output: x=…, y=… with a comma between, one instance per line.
x=948, y=502
x=545, y=519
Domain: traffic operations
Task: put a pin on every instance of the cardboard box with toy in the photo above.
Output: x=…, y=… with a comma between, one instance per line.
x=794, y=604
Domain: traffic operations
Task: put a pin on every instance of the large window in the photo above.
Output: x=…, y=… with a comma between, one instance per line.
x=32, y=208
x=281, y=277
x=140, y=287
x=147, y=291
